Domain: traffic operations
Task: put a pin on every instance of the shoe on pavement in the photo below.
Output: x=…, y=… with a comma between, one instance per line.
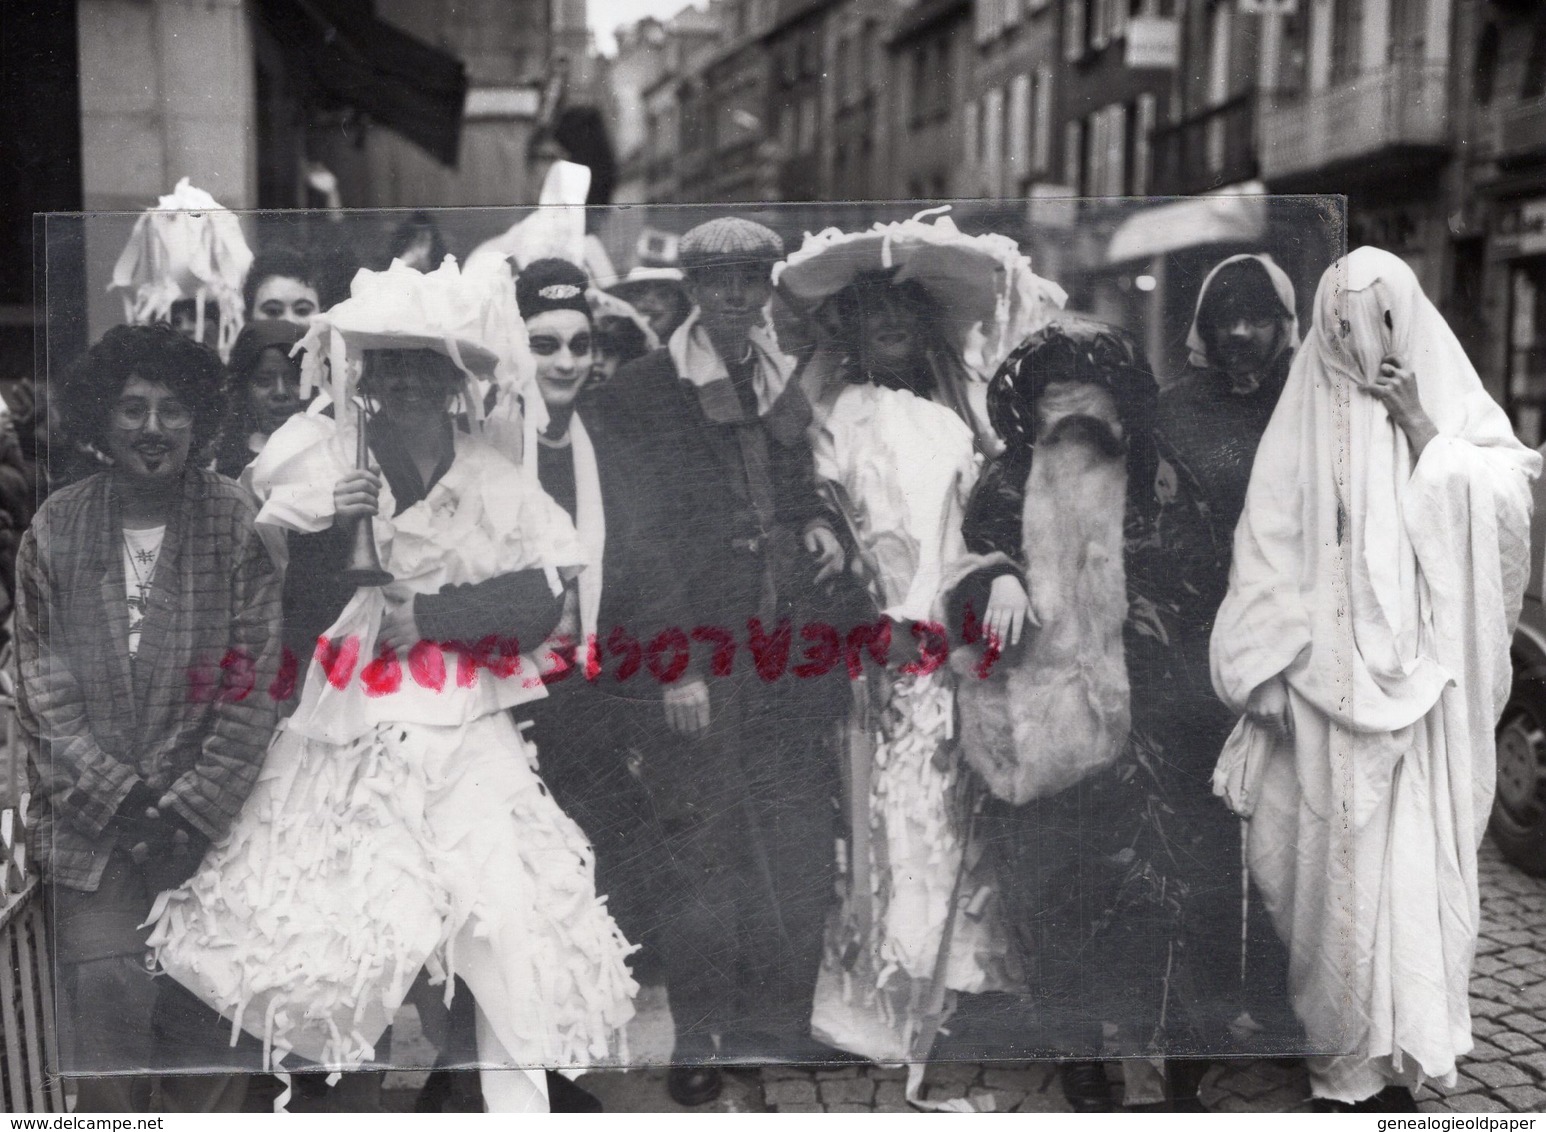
x=1183, y=1083
x=565, y=1096
x=1392, y=1098
x=693, y=1085
x=1085, y=1086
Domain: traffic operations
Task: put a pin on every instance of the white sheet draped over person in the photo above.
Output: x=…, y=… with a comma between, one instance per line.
x=399, y=822
x=1378, y=571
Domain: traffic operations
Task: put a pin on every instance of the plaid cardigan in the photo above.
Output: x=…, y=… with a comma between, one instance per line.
x=191, y=716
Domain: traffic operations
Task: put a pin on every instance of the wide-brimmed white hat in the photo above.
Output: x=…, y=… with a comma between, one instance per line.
x=641, y=277
x=978, y=281
x=403, y=309
x=469, y=316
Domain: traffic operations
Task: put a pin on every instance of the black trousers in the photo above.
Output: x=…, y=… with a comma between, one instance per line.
x=588, y=743
x=747, y=810
x=147, y=1044
x=1093, y=949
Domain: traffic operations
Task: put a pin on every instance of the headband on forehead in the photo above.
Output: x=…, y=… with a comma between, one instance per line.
x=551, y=285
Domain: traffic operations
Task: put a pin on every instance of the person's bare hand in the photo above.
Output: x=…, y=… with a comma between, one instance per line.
x=399, y=628
x=828, y=551
x=687, y=706
x=158, y=835
x=1009, y=609
x=355, y=495
x=22, y=399
x=1395, y=387
x=1268, y=707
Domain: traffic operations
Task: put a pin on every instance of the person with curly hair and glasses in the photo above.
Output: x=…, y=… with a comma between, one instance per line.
x=148, y=626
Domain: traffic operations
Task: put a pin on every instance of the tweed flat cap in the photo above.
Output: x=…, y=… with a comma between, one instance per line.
x=729, y=239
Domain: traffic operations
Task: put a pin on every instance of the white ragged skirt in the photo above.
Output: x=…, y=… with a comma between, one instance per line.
x=354, y=866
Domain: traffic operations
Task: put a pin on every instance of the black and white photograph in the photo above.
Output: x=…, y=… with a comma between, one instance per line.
x=803, y=556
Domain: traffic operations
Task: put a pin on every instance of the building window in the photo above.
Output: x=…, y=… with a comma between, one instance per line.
x=1075, y=29
x=1140, y=146
x=1073, y=156
x=1041, y=144
x=990, y=20
x=969, y=132
x=1535, y=63
x=1485, y=69
x=1221, y=28
x=944, y=89
x=1108, y=151
x=810, y=56
x=993, y=140
x=930, y=93
x=1019, y=155
x=847, y=71
x=1408, y=28
x=805, y=140
x=1346, y=40
x=866, y=52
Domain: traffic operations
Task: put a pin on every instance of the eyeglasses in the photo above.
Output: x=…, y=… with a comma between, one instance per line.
x=133, y=414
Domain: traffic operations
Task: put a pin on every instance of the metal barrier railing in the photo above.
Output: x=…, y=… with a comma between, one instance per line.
x=29, y=1058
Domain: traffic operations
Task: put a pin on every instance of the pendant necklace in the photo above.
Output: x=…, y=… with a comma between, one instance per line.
x=141, y=600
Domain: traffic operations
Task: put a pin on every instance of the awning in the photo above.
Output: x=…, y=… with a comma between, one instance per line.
x=345, y=51
x=1232, y=216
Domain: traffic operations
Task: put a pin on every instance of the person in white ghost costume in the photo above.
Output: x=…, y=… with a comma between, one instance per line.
x=1378, y=571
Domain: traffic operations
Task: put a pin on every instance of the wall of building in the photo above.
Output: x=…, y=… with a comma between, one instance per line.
x=505, y=46
x=166, y=92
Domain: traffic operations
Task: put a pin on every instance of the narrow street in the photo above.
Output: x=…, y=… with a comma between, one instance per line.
x=1505, y=1073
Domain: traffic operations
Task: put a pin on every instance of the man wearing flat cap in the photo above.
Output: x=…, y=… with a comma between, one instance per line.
x=742, y=764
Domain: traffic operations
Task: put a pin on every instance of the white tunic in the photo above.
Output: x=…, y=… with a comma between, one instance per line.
x=406, y=830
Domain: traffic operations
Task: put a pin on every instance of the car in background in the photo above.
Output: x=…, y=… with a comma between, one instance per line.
x=1518, y=825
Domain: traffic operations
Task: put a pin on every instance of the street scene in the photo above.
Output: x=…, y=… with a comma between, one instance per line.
x=845, y=556
x=1506, y=1072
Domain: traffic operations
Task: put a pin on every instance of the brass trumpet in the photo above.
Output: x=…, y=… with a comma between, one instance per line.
x=363, y=567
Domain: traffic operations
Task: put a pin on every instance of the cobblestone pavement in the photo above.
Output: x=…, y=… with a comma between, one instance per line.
x=1505, y=1073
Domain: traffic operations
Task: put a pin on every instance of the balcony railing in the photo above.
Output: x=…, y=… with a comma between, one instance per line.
x=1514, y=130
x=1403, y=106
x=1209, y=149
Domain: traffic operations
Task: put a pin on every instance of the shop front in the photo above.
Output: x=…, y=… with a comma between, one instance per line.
x=1517, y=248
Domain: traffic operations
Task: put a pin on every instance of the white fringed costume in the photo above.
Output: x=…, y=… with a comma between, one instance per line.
x=407, y=828
x=905, y=466
x=189, y=247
